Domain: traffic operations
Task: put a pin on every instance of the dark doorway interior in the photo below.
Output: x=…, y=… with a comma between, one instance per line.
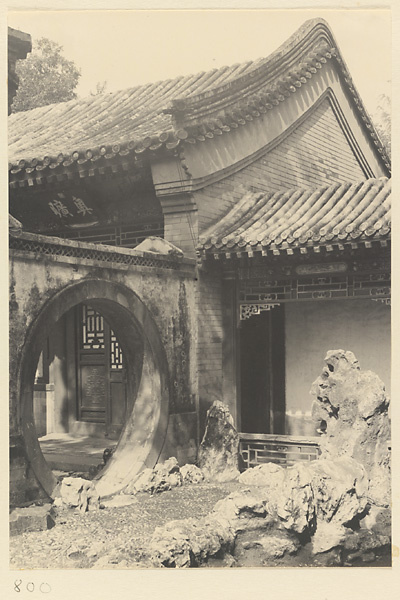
x=262, y=372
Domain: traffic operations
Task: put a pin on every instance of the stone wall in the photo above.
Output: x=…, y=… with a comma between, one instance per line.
x=43, y=288
x=210, y=338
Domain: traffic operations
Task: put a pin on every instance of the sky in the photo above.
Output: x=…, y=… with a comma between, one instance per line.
x=128, y=48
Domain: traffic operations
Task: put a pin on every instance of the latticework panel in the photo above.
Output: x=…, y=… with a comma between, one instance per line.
x=256, y=449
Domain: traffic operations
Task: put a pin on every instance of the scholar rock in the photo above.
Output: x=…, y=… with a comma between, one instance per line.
x=327, y=536
x=191, y=474
x=339, y=490
x=218, y=455
x=351, y=407
x=293, y=502
x=164, y=476
x=75, y=492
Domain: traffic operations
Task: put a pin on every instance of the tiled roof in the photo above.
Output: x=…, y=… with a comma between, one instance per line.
x=160, y=115
x=298, y=218
x=134, y=115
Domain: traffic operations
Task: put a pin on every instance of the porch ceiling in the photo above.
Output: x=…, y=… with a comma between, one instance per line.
x=298, y=218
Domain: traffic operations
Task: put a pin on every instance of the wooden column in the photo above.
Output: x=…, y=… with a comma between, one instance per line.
x=230, y=369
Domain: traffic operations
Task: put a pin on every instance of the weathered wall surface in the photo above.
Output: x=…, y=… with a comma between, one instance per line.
x=316, y=153
x=210, y=338
x=313, y=328
x=169, y=296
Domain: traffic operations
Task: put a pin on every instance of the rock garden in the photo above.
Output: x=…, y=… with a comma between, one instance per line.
x=333, y=511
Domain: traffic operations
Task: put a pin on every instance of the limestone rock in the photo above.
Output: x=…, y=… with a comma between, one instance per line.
x=330, y=558
x=229, y=561
x=189, y=542
x=351, y=406
x=365, y=540
x=243, y=510
x=327, y=536
x=158, y=245
x=191, y=474
x=340, y=490
x=268, y=474
x=218, y=455
x=164, y=476
x=275, y=545
x=76, y=492
x=378, y=520
x=290, y=498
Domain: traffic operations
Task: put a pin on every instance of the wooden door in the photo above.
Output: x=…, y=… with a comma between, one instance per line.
x=101, y=372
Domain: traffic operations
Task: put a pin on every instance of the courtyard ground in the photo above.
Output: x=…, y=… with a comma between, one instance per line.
x=86, y=540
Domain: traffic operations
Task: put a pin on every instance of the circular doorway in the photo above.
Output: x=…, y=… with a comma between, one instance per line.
x=147, y=385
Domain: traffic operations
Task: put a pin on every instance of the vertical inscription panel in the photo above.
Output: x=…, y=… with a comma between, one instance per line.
x=93, y=393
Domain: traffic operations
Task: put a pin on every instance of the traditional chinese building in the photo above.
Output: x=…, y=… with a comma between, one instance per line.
x=271, y=175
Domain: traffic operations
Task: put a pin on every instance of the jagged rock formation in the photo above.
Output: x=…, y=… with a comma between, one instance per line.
x=305, y=501
x=157, y=245
x=351, y=406
x=163, y=477
x=191, y=474
x=218, y=455
x=75, y=492
x=337, y=505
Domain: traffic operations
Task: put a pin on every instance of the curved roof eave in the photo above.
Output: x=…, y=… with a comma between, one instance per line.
x=158, y=117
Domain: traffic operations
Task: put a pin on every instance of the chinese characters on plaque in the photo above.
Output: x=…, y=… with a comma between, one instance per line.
x=60, y=209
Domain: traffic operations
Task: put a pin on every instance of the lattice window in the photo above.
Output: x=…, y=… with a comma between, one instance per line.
x=372, y=285
x=93, y=336
x=257, y=449
x=116, y=359
x=92, y=329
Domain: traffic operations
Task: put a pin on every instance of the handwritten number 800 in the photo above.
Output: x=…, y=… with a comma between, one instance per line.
x=30, y=586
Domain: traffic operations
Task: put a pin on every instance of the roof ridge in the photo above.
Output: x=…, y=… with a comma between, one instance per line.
x=307, y=24
x=280, y=53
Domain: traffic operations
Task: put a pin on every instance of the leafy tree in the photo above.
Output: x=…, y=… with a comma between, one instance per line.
x=383, y=121
x=45, y=77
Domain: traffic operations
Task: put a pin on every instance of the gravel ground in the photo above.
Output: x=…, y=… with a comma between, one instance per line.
x=118, y=535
